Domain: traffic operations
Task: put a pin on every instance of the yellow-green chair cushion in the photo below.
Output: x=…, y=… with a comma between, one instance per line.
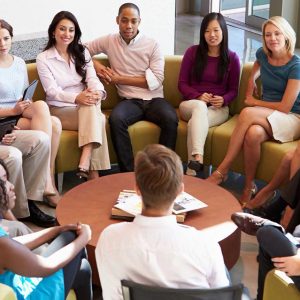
x=278, y=286
x=7, y=293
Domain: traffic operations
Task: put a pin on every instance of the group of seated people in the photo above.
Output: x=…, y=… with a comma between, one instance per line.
x=208, y=81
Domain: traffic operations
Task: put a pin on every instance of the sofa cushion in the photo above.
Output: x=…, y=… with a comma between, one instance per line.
x=279, y=286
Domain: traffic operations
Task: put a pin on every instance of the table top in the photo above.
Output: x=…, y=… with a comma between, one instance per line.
x=91, y=203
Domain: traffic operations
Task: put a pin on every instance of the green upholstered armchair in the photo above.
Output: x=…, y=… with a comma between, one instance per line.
x=7, y=293
x=278, y=286
x=144, y=132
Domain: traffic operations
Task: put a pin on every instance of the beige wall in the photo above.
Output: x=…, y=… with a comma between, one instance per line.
x=96, y=18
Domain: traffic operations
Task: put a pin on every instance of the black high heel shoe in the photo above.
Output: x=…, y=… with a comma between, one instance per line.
x=195, y=165
x=82, y=173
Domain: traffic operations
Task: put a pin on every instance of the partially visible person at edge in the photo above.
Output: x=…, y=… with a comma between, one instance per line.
x=12, y=227
x=74, y=93
x=287, y=179
x=208, y=81
x=51, y=275
x=29, y=115
x=277, y=247
x=137, y=70
x=277, y=115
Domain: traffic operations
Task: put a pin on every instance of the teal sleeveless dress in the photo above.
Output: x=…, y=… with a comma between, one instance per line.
x=34, y=288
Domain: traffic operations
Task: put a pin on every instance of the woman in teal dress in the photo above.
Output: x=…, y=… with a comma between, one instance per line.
x=62, y=266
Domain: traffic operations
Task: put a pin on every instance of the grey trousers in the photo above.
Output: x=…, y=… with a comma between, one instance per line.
x=27, y=162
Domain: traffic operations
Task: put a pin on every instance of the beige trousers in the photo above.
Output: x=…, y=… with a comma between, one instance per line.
x=27, y=163
x=90, y=123
x=200, y=117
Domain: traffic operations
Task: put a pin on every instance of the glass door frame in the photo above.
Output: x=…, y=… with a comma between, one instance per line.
x=253, y=21
x=250, y=19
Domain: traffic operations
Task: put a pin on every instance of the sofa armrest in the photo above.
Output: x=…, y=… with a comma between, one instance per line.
x=7, y=292
x=279, y=286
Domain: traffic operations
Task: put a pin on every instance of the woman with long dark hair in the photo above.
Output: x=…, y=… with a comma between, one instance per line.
x=74, y=92
x=208, y=82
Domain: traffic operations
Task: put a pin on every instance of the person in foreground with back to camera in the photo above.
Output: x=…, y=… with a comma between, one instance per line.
x=277, y=115
x=208, y=81
x=137, y=70
x=74, y=93
x=276, y=247
x=150, y=249
x=51, y=275
x=287, y=176
x=29, y=115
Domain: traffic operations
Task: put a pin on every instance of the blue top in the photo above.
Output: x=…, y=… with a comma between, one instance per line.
x=14, y=80
x=34, y=288
x=274, y=78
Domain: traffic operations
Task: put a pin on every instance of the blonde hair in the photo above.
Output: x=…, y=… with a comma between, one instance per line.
x=286, y=29
x=158, y=175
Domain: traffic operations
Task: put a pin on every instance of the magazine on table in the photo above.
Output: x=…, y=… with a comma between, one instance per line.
x=131, y=203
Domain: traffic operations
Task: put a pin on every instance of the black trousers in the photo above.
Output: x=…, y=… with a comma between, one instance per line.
x=77, y=273
x=129, y=111
x=290, y=195
x=272, y=243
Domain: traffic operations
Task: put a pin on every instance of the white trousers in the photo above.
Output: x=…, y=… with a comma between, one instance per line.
x=89, y=121
x=27, y=162
x=200, y=118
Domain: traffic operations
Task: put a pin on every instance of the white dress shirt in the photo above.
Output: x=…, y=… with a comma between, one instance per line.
x=141, y=57
x=60, y=80
x=159, y=252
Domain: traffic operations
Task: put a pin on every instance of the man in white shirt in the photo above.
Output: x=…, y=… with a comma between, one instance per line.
x=154, y=249
x=137, y=70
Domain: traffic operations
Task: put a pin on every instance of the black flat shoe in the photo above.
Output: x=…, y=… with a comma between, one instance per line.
x=38, y=217
x=82, y=173
x=195, y=165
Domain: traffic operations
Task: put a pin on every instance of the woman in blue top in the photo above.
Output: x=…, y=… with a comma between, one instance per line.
x=29, y=115
x=50, y=276
x=277, y=115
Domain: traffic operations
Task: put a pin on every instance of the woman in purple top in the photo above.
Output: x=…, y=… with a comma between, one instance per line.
x=208, y=82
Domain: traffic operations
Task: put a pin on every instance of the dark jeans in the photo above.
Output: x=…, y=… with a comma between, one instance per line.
x=273, y=243
x=129, y=111
x=290, y=195
x=77, y=273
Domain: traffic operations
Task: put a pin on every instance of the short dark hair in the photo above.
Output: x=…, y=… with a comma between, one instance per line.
x=128, y=5
x=75, y=49
x=158, y=175
x=8, y=27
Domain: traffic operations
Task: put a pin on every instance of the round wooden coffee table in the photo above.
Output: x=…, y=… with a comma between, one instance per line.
x=91, y=203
